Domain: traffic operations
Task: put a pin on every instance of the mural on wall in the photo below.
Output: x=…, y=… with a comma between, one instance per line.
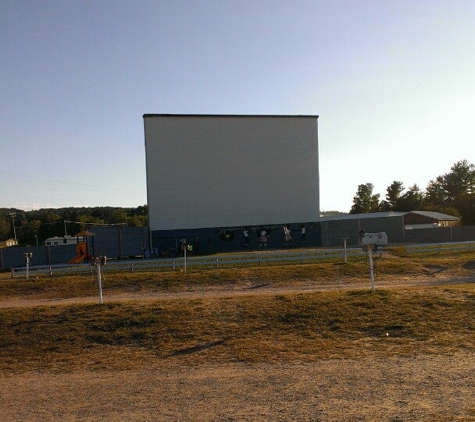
x=262, y=238
x=226, y=235
x=247, y=241
x=303, y=234
x=263, y=235
x=287, y=236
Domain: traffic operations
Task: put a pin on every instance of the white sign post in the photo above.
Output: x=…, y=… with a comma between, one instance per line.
x=345, y=254
x=28, y=255
x=370, y=243
x=184, y=254
x=371, y=266
x=99, y=263
x=184, y=249
x=99, y=280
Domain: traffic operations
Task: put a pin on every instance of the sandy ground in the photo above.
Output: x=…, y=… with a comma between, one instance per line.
x=422, y=388
x=230, y=290
x=415, y=388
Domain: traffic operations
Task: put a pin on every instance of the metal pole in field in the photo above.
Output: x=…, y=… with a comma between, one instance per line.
x=345, y=254
x=13, y=215
x=99, y=280
x=371, y=266
x=184, y=254
x=28, y=255
x=27, y=266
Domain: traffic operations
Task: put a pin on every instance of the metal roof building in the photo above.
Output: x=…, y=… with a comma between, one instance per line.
x=399, y=226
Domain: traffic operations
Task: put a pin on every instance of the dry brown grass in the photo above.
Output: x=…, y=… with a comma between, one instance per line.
x=252, y=329
x=330, y=271
x=404, y=353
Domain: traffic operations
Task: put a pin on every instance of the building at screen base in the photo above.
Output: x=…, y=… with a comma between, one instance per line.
x=227, y=182
x=400, y=226
x=8, y=243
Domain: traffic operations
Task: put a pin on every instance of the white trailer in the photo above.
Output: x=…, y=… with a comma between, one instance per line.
x=62, y=241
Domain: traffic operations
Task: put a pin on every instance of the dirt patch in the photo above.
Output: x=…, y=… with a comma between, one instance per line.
x=230, y=290
x=434, y=269
x=413, y=388
x=416, y=387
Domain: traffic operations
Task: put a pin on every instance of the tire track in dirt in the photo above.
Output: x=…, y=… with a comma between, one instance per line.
x=267, y=289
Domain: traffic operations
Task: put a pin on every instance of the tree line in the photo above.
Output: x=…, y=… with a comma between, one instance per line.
x=452, y=193
x=34, y=227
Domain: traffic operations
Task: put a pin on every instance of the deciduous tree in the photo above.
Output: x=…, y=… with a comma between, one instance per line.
x=365, y=201
x=455, y=189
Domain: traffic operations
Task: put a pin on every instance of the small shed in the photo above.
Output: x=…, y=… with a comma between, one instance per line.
x=8, y=243
x=429, y=219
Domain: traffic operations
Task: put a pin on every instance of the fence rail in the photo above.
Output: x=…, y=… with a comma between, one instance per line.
x=235, y=260
x=440, y=247
x=197, y=262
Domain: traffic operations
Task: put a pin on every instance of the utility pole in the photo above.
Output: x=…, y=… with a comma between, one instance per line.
x=13, y=215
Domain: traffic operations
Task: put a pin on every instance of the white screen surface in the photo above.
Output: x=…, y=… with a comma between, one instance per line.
x=230, y=171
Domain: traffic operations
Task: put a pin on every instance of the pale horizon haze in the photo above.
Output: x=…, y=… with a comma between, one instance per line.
x=393, y=84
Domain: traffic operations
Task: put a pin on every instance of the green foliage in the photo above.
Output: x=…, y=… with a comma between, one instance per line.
x=38, y=225
x=5, y=228
x=452, y=193
x=454, y=190
x=393, y=196
x=410, y=200
x=365, y=201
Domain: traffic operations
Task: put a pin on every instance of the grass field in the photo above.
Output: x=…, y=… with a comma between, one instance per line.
x=251, y=328
x=265, y=343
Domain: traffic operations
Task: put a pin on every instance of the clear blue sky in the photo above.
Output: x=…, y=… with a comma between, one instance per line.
x=392, y=81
